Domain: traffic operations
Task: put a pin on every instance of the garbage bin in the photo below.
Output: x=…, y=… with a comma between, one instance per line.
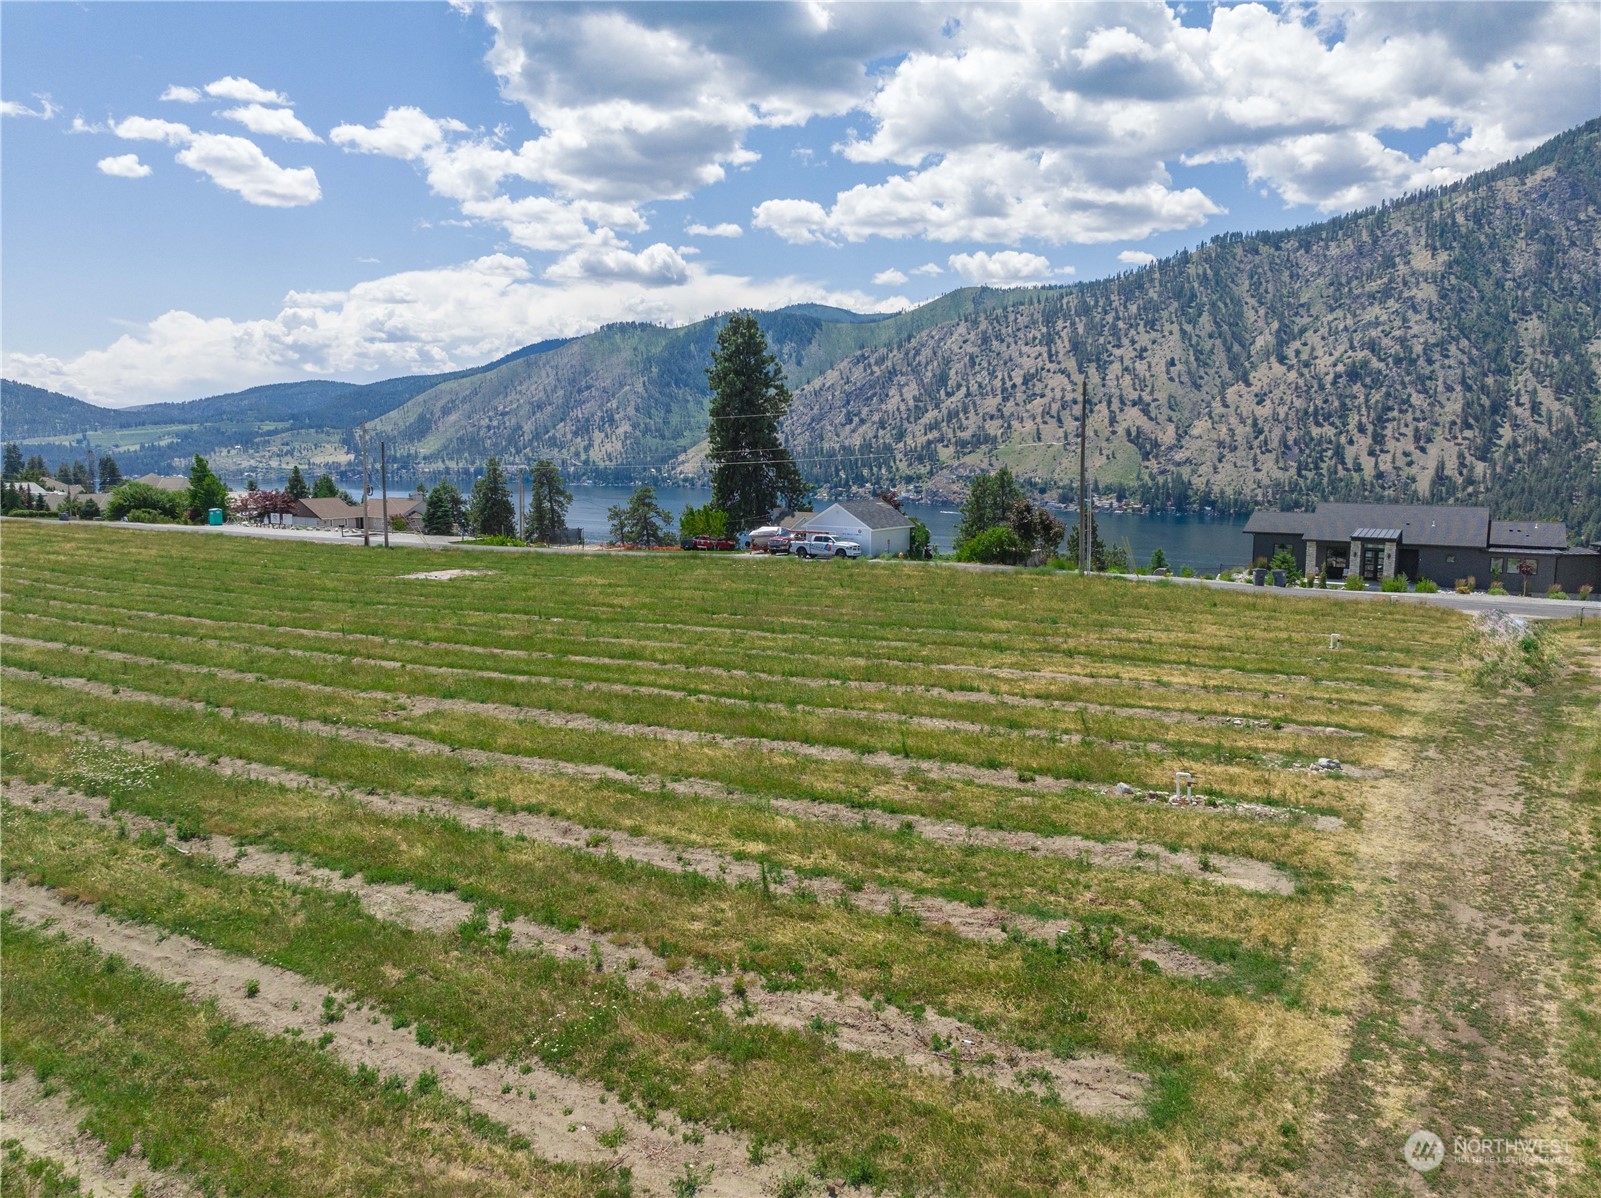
x=214, y=516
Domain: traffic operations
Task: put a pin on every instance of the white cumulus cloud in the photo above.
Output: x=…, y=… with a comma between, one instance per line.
x=928, y=268
x=657, y=265
x=411, y=322
x=1001, y=269
x=889, y=278
x=123, y=166
x=232, y=87
x=1136, y=258
x=726, y=229
x=272, y=122
x=235, y=164
x=178, y=93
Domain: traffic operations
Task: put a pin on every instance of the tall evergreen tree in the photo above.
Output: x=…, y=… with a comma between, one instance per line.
x=548, y=502
x=205, y=489
x=110, y=474
x=13, y=461
x=325, y=487
x=444, y=511
x=751, y=469
x=642, y=522
x=491, y=513
x=296, y=487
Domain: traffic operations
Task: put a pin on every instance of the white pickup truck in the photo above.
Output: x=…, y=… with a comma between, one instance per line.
x=824, y=544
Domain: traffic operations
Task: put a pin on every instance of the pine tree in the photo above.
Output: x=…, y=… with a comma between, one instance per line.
x=296, y=487
x=443, y=512
x=205, y=489
x=642, y=522
x=751, y=469
x=548, y=503
x=110, y=475
x=491, y=513
x=324, y=487
x=13, y=461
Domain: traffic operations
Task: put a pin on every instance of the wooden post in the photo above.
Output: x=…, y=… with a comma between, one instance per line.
x=383, y=487
x=366, y=531
x=1084, y=557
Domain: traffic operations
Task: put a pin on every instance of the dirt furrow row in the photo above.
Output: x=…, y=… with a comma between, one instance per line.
x=972, y=923
x=1230, y=871
x=285, y=1000
x=1095, y=1085
x=1155, y=714
x=422, y=703
x=416, y=705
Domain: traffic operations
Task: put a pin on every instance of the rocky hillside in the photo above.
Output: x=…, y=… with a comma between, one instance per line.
x=1443, y=346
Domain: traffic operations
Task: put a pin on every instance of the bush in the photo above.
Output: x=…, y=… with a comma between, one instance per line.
x=1394, y=585
x=1464, y=586
x=1584, y=591
x=1186, y=572
x=1353, y=582
x=134, y=496
x=497, y=539
x=995, y=546
x=1497, y=589
x=144, y=515
x=1556, y=592
x=1427, y=586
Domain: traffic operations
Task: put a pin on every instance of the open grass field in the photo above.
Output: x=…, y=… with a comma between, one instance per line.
x=687, y=874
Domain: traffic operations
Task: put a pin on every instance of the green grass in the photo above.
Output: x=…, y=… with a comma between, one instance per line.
x=231, y=1108
x=1026, y=676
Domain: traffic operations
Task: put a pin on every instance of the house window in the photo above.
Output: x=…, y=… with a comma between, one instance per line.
x=1498, y=565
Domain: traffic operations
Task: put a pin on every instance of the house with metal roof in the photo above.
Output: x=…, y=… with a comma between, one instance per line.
x=880, y=529
x=1377, y=541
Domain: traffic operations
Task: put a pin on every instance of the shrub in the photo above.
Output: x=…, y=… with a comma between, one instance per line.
x=1186, y=572
x=1353, y=582
x=1584, y=591
x=1000, y=546
x=1427, y=586
x=497, y=539
x=1464, y=586
x=1394, y=585
x=144, y=515
x=1497, y=589
x=1556, y=592
x=142, y=497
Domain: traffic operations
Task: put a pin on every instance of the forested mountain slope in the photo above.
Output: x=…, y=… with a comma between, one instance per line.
x=1443, y=346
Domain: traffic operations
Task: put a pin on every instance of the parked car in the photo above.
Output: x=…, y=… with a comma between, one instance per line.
x=703, y=541
x=825, y=544
x=779, y=543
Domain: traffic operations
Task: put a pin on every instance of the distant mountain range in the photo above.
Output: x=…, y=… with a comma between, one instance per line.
x=1445, y=346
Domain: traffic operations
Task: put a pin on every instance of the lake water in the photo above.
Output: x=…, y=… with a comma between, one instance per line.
x=1202, y=542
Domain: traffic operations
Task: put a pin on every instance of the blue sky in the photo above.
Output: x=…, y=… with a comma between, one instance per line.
x=202, y=197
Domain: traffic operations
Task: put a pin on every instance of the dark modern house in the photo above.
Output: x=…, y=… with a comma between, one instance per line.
x=1445, y=544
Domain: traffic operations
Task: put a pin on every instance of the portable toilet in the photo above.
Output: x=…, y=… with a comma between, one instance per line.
x=214, y=516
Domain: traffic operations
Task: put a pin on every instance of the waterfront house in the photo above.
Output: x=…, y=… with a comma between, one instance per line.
x=1442, y=543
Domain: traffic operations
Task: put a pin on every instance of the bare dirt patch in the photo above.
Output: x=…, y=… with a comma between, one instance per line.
x=443, y=575
x=47, y=1126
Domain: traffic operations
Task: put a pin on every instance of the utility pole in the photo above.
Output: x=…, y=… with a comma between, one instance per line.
x=1085, y=560
x=366, y=532
x=383, y=487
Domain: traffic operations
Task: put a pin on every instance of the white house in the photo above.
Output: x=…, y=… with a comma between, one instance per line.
x=878, y=528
